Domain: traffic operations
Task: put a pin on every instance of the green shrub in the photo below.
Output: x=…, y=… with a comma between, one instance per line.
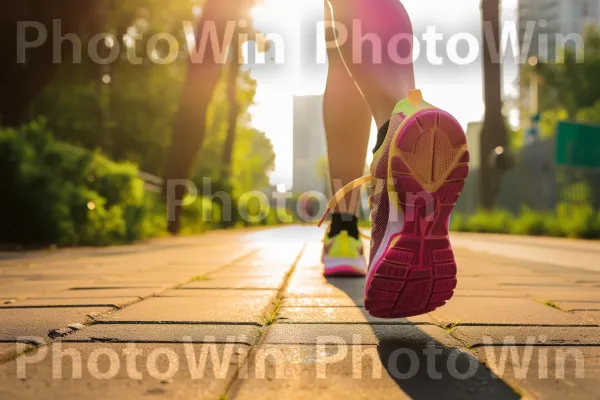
x=533, y=223
x=458, y=222
x=56, y=193
x=200, y=216
x=259, y=212
x=578, y=221
x=154, y=222
x=569, y=220
x=279, y=216
x=495, y=221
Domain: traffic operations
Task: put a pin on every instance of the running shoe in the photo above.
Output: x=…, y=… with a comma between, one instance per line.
x=416, y=178
x=343, y=255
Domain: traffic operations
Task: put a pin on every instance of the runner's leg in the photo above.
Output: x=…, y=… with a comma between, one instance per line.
x=378, y=51
x=347, y=125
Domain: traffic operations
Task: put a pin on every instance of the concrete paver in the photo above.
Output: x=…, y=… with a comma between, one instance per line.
x=114, y=302
x=231, y=309
x=209, y=293
x=167, y=333
x=25, y=289
x=9, y=351
x=132, y=284
x=480, y=283
x=590, y=316
x=334, y=287
x=37, y=322
x=235, y=283
x=306, y=290
x=534, y=281
x=340, y=315
x=365, y=372
x=338, y=301
x=550, y=251
x=553, y=373
x=566, y=294
x=538, y=335
x=490, y=311
x=98, y=293
x=114, y=371
x=579, y=305
x=410, y=335
x=488, y=293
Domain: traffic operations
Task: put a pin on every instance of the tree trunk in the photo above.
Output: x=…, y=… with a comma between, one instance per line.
x=234, y=110
x=493, y=132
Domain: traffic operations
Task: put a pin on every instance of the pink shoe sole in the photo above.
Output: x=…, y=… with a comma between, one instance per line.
x=428, y=165
x=343, y=270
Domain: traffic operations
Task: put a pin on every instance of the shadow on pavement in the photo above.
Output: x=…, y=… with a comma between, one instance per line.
x=420, y=365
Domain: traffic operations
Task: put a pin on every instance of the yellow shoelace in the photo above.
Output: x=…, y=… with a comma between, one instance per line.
x=342, y=193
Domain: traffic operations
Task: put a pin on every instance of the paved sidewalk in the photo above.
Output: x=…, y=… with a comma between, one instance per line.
x=245, y=315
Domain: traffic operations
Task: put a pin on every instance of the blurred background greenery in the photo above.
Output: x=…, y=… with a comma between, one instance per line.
x=75, y=135
x=538, y=195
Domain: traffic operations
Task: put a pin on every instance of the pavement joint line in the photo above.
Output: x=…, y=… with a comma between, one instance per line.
x=62, y=306
x=460, y=323
x=451, y=328
x=26, y=350
x=382, y=323
x=109, y=288
x=93, y=321
x=89, y=297
x=121, y=341
x=287, y=306
x=225, y=288
x=232, y=386
x=530, y=325
x=577, y=301
x=225, y=323
x=13, y=341
x=477, y=346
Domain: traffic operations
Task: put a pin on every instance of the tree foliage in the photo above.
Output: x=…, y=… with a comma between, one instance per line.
x=131, y=117
x=570, y=87
x=573, y=84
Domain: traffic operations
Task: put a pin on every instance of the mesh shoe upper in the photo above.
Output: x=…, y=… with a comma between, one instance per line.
x=379, y=200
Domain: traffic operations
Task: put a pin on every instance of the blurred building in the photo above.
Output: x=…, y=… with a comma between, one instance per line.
x=554, y=18
x=310, y=147
x=554, y=23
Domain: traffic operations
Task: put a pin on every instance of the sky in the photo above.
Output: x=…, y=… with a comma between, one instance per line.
x=455, y=88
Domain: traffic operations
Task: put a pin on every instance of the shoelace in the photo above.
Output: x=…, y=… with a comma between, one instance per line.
x=342, y=193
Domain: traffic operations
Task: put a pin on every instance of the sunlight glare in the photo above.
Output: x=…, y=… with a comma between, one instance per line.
x=197, y=10
x=109, y=41
x=275, y=12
